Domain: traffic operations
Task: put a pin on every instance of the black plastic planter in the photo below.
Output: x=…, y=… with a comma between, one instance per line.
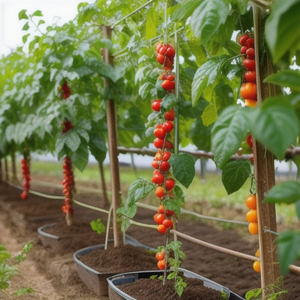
x=116, y=280
x=94, y=280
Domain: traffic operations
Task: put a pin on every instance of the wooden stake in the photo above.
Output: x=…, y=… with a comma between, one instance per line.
x=264, y=170
x=113, y=148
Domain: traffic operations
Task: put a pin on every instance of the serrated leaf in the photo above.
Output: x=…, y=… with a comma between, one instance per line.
x=183, y=167
x=287, y=192
x=288, y=246
x=207, y=18
x=228, y=133
x=234, y=175
x=22, y=15
x=275, y=125
x=286, y=78
x=206, y=76
x=281, y=29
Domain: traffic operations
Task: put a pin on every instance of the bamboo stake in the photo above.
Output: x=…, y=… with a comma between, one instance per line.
x=113, y=149
x=264, y=171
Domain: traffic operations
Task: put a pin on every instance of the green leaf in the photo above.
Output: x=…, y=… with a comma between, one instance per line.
x=288, y=249
x=286, y=78
x=41, y=22
x=37, y=13
x=185, y=10
x=25, y=37
x=206, y=76
x=281, y=29
x=151, y=21
x=228, y=133
x=209, y=115
x=97, y=146
x=275, y=125
x=287, y=192
x=26, y=26
x=207, y=18
x=97, y=226
x=72, y=140
x=234, y=175
x=128, y=211
x=183, y=166
x=80, y=158
x=23, y=291
x=23, y=15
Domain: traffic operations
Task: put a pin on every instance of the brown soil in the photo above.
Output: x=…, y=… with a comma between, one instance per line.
x=53, y=275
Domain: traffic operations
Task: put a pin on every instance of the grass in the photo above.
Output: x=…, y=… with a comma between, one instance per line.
x=204, y=195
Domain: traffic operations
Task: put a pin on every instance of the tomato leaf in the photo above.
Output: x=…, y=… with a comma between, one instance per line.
x=209, y=115
x=207, y=18
x=275, y=125
x=185, y=10
x=287, y=192
x=288, y=249
x=72, y=139
x=183, y=166
x=228, y=133
x=80, y=158
x=234, y=175
x=23, y=15
x=286, y=78
x=206, y=76
x=281, y=29
x=37, y=13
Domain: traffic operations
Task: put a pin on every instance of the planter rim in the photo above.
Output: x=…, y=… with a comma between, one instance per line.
x=206, y=282
x=42, y=232
x=83, y=251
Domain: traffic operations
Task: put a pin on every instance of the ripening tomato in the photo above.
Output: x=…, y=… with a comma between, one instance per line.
x=167, y=223
x=169, y=184
x=162, y=229
x=248, y=91
x=169, y=115
x=168, y=63
x=251, y=216
x=170, y=53
x=162, y=50
x=155, y=164
x=250, y=76
x=158, y=218
x=158, y=155
x=161, y=264
x=156, y=104
x=170, y=77
x=249, y=64
x=164, y=166
x=168, y=126
x=159, y=132
x=250, y=103
x=244, y=49
x=169, y=145
x=168, y=85
x=243, y=39
x=161, y=209
x=169, y=213
x=160, y=192
x=251, y=201
x=158, y=45
x=249, y=140
x=160, y=255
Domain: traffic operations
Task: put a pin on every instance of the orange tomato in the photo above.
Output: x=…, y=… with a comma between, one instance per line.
x=251, y=216
x=250, y=103
x=161, y=264
x=248, y=91
x=160, y=255
x=253, y=228
x=256, y=266
x=251, y=201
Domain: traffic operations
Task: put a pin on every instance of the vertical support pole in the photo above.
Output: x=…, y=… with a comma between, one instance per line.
x=264, y=170
x=113, y=150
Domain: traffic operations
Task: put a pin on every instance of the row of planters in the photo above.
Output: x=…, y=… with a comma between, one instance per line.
x=62, y=79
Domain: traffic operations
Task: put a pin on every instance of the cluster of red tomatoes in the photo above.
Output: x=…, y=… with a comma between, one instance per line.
x=248, y=89
x=69, y=186
x=162, y=176
x=25, y=165
x=67, y=125
x=66, y=92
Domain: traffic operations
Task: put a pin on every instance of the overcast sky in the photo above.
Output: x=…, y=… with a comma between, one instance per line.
x=11, y=28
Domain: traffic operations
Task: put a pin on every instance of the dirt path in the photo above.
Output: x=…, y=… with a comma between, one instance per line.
x=53, y=275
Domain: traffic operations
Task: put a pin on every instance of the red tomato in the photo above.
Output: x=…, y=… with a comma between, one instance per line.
x=248, y=91
x=243, y=39
x=156, y=104
x=158, y=178
x=170, y=53
x=169, y=212
x=162, y=50
x=160, y=58
x=158, y=45
x=168, y=85
x=159, y=133
x=161, y=264
x=244, y=49
x=249, y=64
x=250, y=103
x=155, y=164
x=250, y=53
x=250, y=42
x=250, y=76
x=158, y=143
x=168, y=63
x=160, y=192
x=169, y=184
x=158, y=218
x=167, y=223
x=169, y=115
x=164, y=166
x=162, y=229
x=24, y=195
x=249, y=140
x=167, y=126
x=169, y=145
x=166, y=155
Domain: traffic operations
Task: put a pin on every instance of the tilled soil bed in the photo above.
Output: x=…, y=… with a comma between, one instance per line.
x=53, y=275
